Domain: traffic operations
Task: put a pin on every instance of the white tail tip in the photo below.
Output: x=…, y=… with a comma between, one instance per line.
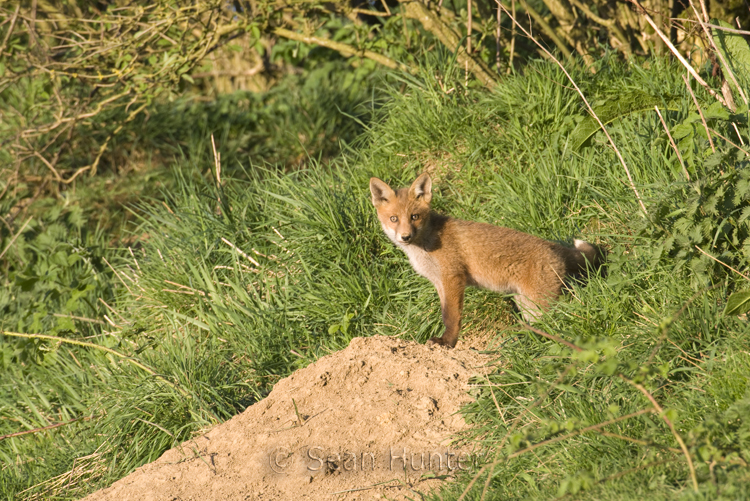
x=580, y=243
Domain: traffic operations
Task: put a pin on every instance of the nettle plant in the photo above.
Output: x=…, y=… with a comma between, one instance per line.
x=704, y=224
x=53, y=275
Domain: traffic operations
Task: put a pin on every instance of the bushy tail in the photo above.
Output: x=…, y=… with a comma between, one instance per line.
x=589, y=257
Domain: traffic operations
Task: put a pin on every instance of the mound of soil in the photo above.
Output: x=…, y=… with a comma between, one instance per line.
x=372, y=421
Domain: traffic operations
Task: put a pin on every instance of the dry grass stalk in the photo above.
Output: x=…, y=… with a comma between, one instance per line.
x=737, y=131
x=724, y=62
x=682, y=60
x=715, y=132
x=674, y=146
x=700, y=112
x=86, y=469
x=676, y=435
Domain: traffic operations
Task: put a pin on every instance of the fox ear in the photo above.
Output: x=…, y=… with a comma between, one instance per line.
x=381, y=192
x=421, y=188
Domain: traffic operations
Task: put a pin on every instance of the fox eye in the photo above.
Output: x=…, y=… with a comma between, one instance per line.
x=394, y=219
x=415, y=217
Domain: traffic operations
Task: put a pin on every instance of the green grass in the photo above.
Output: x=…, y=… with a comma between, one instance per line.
x=231, y=287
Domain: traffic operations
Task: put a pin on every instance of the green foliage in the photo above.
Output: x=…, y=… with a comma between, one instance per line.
x=736, y=53
x=738, y=303
x=499, y=160
x=53, y=272
x=711, y=215
x=314, y=116
x=82, y=74
x=233, y=285
x=615, y=108
x=692, y=138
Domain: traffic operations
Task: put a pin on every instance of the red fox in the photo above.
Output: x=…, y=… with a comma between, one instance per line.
x=454, y=254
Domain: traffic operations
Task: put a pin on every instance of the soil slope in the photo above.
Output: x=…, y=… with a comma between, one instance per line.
x=373, y=421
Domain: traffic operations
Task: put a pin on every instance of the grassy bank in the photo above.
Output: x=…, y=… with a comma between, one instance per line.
x=224, y=287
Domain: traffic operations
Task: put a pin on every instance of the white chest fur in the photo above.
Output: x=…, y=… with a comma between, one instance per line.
x=423, y=263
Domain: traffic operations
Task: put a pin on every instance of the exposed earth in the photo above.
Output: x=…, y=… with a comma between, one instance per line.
x=373, y=421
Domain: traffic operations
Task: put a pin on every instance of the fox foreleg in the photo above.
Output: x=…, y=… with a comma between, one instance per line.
x=451, y=292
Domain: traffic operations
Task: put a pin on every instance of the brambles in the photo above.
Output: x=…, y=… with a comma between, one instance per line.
x=76, y=76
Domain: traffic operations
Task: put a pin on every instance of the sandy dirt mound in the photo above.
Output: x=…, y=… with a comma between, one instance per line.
x=373, y=421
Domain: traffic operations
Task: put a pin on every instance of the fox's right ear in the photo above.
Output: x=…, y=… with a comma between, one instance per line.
x=381, y=192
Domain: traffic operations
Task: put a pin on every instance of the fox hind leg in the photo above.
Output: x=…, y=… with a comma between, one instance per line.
x=533, y=305
x=528, y=308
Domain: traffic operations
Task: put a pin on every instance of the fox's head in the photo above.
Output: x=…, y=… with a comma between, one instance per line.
x=403, y=213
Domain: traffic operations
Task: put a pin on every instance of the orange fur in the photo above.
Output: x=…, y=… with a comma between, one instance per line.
x=454, y=254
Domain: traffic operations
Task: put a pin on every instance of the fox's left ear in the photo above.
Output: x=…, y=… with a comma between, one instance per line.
x=421, y=188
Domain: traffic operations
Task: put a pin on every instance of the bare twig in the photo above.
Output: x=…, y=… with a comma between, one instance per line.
x=370, y=12
x=554, y=338
x=104, y=145
x=10, y=28
x=512, y=35
x=580, y=432
x=665, y=323
x=676, y=435
x=230, y=244
x=742, y=142
x=98, y=347
x=723, y=264
x=118, y=276
x=640, y=442
x=468, y=27
x=367, y=488
x=633, y=470
x=344, y=49
x=715, y=132
x=546, y=28
x=43, y=428
x=217, y=161
x=113, y=311
x=49, y=165
x=610, y=24
x=431, y=22
x=700, y=112
x=217, y=166
x=516, y=422
x=82, y=319
x=719, y=27
x=84, y=344
x=512, y=428
x=497, y=41
x=674, y=146
x=14, y=238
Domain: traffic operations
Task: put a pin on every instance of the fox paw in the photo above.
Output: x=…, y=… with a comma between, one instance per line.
x=442, y=342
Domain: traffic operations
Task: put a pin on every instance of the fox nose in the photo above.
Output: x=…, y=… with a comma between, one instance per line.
x=405, y=237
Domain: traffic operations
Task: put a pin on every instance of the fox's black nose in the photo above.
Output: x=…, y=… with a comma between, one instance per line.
x=405, y=237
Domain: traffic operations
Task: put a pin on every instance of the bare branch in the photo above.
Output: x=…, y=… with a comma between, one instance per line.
x=432, y=23
x=344, y=49
x=677, y=54
x=546, y=28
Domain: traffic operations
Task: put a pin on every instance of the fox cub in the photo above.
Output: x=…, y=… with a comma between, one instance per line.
x=454, y=254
